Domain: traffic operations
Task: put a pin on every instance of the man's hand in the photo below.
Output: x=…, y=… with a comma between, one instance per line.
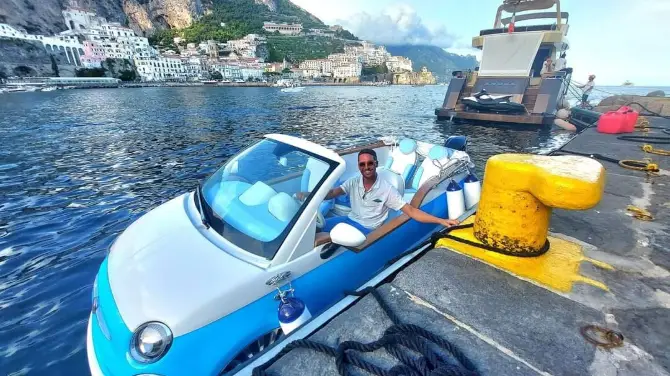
x=449, y=222
x=301, y=195
x=423, y=217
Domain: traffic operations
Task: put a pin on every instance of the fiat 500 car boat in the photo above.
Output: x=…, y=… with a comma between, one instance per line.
x=193, y=286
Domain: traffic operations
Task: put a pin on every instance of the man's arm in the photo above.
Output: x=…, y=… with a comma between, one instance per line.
x=335, y=192
x=422, y=216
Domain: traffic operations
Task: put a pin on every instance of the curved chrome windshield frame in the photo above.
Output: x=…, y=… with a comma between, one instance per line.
x=218, y=224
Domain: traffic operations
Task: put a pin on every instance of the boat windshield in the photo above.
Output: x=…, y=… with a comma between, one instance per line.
x=250, y=202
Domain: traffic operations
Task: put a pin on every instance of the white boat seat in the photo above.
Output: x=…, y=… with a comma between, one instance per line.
x=438, y=158
x=257, y=194
x=402, y=159
x=283, y=207
x=392, y=178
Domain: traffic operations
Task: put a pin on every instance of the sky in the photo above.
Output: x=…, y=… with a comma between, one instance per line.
x=617, y=40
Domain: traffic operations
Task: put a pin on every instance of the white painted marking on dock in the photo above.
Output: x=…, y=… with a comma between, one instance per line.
x=479, y=335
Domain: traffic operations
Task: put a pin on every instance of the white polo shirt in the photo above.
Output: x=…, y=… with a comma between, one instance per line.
x=371, y=208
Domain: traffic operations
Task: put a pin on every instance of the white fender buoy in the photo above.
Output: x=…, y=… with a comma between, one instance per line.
x=472, y=189
x=455, y=200
x=563, y=114
x=292, y=313
x=565, y=125
x=565, y=104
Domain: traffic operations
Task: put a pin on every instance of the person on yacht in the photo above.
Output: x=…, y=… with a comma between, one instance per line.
x=546, y=67
x=561, y=63
x=588, y=88
x=371, y=198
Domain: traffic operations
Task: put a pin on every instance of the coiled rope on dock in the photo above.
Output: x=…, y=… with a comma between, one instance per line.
x=650, y=149
x=412, y=337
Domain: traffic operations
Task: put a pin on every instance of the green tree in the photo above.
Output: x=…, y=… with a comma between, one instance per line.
x=346, y=34
x=286, y=70
x=375, y=69
x=216, y=75
x=110, y=65
x=127, y=75
x=90, y=72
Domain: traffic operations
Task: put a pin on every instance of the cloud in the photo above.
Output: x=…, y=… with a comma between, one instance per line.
x=398, y=24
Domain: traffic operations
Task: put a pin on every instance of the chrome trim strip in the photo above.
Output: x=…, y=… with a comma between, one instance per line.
x=95, y=311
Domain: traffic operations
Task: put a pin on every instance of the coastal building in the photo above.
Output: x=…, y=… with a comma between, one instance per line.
x=212, y=49
x=161, y=68
x=348, y=71
x=282, y=28
x=368, y=53
x=315, y=68
x=230, y=71
x=94, y=54
x=340, y=59
x=277, y=67
x=248, y=46
x=81, y=20
x=311, y=73
x=326, y=67
x=193, y=68
x=399, y=64
x=251, y=73
x=310, y=65
x=89, y=39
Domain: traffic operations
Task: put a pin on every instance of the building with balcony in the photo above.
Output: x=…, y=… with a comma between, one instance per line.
x=161, y=68
x=282, y=28
x=348, y=71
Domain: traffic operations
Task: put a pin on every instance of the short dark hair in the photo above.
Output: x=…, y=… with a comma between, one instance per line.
x=368, y=151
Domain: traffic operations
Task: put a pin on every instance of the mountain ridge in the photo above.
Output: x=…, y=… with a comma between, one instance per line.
x=201, y=19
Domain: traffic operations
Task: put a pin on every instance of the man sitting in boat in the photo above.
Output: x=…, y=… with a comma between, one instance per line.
x=371, y=198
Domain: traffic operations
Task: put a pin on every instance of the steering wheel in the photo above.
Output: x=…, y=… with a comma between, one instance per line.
x=320, y=220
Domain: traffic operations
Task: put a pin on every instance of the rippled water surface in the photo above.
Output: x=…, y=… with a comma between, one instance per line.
x=78, y=166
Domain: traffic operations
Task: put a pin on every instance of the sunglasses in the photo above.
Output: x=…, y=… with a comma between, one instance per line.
x=368, y=164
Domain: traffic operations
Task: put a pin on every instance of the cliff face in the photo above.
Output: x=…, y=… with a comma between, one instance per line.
x=44, y=16
x=29, y=58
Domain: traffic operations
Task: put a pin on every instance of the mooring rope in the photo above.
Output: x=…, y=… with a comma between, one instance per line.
x=449, y=362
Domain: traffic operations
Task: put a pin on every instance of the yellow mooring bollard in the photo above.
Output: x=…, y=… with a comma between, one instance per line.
x=519, y=192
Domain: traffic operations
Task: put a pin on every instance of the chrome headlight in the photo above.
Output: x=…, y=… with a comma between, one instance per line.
x=150, y=342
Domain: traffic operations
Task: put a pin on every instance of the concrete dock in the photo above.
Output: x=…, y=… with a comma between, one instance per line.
x=510, y=324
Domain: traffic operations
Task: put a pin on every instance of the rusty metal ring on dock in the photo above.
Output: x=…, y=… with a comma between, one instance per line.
x=602, y=337
x=639, y=165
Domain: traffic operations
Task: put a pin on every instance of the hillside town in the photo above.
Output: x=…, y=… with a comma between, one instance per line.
x=91, y=40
